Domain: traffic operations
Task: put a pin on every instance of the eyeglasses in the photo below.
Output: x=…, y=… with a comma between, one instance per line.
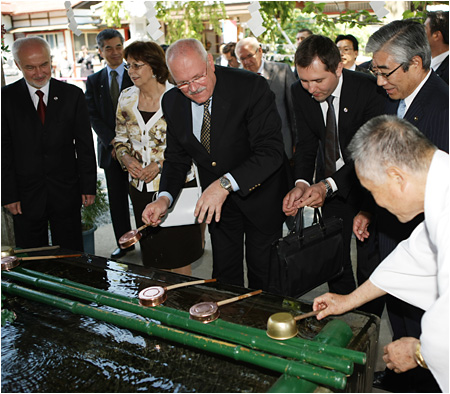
x=200, y=80
x=243, y=59
x=134, y=66
x=384, y=75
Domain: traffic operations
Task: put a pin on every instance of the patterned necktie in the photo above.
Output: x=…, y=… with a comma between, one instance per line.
x=114, y=89
x=205, y=135
x=41, y=106
x=331, y=140
x=401, y=109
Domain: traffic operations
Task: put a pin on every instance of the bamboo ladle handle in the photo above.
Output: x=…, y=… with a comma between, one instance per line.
x=48, y=257
x=36, y=249
x=306, y=315
x=195, y=282
x=241, y=297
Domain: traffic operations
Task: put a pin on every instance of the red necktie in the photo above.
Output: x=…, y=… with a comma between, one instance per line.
x=41, y=106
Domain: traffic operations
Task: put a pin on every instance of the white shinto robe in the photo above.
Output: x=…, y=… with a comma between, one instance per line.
x=417, y=270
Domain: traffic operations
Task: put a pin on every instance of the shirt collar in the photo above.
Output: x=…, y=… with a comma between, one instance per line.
x=33, y=90
x=120, y=69
x=337, y=91
x=437, y=60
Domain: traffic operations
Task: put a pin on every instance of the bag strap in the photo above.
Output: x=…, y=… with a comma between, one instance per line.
x=299, y=221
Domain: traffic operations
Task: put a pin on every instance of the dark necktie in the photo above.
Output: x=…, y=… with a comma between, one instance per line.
x=41, y=106
x=205, y=136
x=331, y=140
x=114, y=89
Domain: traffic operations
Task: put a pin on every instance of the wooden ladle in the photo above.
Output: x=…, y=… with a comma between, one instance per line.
x=131, y=237
x=283, y=325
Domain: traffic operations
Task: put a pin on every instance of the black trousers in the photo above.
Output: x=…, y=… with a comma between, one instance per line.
x=31, y=227
x=339, y=208
x=228, y=238
x=117, y=183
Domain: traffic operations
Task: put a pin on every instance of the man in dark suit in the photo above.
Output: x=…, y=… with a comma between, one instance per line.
x=401, y=63
x=48, y=157
x=102, y=104
x=355, y=99
x=348, y=47
x=280, y=78
x=226, y=120
x=436, y=26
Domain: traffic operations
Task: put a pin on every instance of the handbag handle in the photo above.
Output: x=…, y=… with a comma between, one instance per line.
x=299, y=221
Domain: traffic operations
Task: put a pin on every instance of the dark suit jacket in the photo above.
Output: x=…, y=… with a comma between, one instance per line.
x=280, y=78
x=103, y=118
x=430, y=114
x=360, y=101
x=429, y=111
x=245, y=141
x=46, y=164
x=442, y=70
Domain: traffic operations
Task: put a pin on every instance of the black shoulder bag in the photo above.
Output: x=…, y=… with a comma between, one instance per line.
x=307, y=257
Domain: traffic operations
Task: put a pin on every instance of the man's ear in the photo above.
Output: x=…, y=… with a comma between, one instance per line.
x=397, y=177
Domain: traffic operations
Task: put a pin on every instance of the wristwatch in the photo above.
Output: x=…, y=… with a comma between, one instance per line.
x=328, y=187
x=226, y=184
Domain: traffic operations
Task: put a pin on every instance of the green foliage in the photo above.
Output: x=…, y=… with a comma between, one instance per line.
x=271, y=12
x=7, y=315
x=417, y=11
x=90, y=214
x=186, y=19
x=111, y=11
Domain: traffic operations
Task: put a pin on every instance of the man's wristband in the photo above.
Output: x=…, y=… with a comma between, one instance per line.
x=159, y=166
x=419, y=358
x=328, y=187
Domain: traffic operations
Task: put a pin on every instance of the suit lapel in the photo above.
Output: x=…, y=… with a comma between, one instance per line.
x=269, y=71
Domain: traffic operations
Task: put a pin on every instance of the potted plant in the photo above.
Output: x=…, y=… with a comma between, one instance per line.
x=89, y=217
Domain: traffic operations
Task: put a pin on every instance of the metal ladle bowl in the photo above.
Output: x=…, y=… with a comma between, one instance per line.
x=131, y=237
x=283, y=325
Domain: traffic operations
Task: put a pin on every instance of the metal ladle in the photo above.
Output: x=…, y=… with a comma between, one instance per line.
x=11, y=252
x=283, y=325
x=207, y=312
x=131, y=237
x=10, y=262
x=156, y=295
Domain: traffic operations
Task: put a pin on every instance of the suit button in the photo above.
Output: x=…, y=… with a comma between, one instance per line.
x=213, y=163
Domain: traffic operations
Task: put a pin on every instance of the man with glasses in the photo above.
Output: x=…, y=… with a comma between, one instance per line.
x=401, y=63
x=348, y=47
x=225, y=120
x=280, y=78
x=102, y=92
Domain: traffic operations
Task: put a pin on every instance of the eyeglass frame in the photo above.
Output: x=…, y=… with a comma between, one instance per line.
x=248, y=57
x=384, y=75
x=187, y=84
x=134, y=66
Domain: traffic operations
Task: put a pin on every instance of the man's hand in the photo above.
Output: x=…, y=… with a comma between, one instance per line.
x=360, y=225
x=314, y=196
x=210, y=203
x=155, y=211
x=87, y=199
x=14, y=208
x=332, y=304
x=399, y=355
x=291, y=199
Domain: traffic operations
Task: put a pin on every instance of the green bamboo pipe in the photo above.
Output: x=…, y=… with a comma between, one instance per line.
x=236, y=352
x=299, y=343
x=266, y=344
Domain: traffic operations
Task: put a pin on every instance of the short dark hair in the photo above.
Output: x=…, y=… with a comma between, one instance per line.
x=349, y=37
x=150, y=53
x=107, y=34
x=318, y=46
x=307, y=30
x=230, y=48
x=439, y=22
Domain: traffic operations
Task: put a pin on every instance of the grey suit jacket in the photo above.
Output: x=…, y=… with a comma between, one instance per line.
x=280, y=78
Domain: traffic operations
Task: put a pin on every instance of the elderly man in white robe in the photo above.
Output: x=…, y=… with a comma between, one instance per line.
x=407, y=175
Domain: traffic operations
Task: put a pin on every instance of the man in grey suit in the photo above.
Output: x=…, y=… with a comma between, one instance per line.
x=280, y=78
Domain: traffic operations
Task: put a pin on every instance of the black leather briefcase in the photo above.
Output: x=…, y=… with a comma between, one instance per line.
x=307, y=257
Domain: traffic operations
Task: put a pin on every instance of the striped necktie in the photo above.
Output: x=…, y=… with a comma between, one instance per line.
x=205, y=135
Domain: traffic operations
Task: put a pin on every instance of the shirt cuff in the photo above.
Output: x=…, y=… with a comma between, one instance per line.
x=332, y=184
x=234, y=184
x=168, y=195
x=302, y=180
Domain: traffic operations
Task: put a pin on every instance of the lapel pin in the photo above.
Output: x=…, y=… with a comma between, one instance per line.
x=345, y=109
x=416, y=118
x=55, y=98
